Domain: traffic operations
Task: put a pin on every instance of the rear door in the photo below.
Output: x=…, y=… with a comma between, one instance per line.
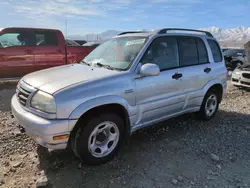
x=16, y=54
x=48, y=52
x=196, y=69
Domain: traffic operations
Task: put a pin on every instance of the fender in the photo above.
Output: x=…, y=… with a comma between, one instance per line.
x=85, y=106
x=213, y=82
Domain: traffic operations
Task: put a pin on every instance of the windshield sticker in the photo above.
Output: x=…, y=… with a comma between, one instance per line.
x=133, y=42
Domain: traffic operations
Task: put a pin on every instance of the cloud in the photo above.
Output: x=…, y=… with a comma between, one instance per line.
x=176, y=1
x=68, y=8
x=53, y=8
x=63, y=1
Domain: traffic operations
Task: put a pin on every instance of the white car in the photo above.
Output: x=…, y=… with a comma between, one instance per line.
x=241, y=76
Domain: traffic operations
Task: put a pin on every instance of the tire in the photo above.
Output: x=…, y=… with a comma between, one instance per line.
x=209, y=97
x=95, y=148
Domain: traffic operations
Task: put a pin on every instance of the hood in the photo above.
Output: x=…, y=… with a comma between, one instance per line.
x=56, y=78
x=244, y=67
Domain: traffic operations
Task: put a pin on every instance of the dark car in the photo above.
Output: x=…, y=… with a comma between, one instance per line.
x=71, y=43
x=81, y=42
x=224, y=49
x=94, y=44
x=234, y=58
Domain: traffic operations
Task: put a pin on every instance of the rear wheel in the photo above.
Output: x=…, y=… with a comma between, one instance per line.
x=98, y=140
x=209, y=105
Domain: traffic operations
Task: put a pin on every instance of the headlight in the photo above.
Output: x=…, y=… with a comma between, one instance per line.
x=44, y=102
x=237, y=72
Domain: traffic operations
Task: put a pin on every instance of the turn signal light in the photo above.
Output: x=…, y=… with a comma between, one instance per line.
x=61, y=137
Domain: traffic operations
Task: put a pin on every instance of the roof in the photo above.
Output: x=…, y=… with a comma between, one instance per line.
x=143, y=34
x=28, y=28
x=170, y=31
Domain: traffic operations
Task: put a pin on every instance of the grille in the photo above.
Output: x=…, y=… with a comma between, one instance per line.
x=245, y=75
x=23, y=92
x=235, y=80
x=245, y=83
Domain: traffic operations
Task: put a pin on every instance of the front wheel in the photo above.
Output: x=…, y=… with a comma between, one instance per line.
x=99, y=139
x=209, y=106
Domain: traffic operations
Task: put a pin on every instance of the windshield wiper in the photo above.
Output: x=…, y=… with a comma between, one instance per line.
x=105, y=66
x=83, y=62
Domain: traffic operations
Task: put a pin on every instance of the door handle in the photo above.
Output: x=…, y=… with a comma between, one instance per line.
x=59, y=51
x=177, y=76
x=207, y=70
x=28, y=51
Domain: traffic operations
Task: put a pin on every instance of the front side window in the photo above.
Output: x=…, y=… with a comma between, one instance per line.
x=118, y=53
x=188, y=52
x=215, y=50
x=13, y=39
x=163, y=52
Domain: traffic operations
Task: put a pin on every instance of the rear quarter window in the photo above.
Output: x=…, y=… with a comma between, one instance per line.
x=202, y=51
x=46, y=38
x=214, y=46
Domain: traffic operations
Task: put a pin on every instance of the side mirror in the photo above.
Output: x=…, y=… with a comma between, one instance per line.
x=149, y=69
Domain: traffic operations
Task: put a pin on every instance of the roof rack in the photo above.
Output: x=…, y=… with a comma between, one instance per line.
x=165, y=30
x=130, y=32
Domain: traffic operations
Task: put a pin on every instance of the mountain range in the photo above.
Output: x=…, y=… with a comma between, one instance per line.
x=237, y=36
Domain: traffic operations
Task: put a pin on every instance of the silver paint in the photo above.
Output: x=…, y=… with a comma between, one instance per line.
x=148, y=99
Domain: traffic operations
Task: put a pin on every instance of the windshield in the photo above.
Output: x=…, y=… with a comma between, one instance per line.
x=232, y=52
x=117, y=53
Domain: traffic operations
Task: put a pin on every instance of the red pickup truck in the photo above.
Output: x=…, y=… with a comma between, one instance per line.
x=25, y=50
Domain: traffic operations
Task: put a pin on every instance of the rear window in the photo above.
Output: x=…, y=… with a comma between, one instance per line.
x=215, y=50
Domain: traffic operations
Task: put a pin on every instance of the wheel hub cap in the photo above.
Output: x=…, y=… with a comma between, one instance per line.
x=103, y=139
x=211, y=105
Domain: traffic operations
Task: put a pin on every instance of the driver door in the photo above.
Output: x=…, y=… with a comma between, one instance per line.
x=160, y=96
x=16, y=57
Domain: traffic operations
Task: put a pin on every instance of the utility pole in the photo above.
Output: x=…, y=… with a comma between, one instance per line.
x=66, y=27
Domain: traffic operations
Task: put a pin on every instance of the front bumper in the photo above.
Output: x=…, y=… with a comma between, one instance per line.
x=40, y=129
x=239, y=80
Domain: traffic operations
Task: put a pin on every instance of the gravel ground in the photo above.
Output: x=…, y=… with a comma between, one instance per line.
x=181, y=152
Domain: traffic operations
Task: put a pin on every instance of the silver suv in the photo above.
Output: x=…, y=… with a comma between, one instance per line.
x=131, y=81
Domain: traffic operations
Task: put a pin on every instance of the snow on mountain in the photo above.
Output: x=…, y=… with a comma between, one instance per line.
x=100, y=37
x=96, y=37
x=235, y=34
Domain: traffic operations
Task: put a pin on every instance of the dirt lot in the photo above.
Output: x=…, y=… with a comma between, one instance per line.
x=181, y=152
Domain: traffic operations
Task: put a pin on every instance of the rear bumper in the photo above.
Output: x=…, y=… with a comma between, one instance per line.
x=40, y=129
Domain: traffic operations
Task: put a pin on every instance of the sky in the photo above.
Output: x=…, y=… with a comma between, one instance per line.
x=95, y=16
